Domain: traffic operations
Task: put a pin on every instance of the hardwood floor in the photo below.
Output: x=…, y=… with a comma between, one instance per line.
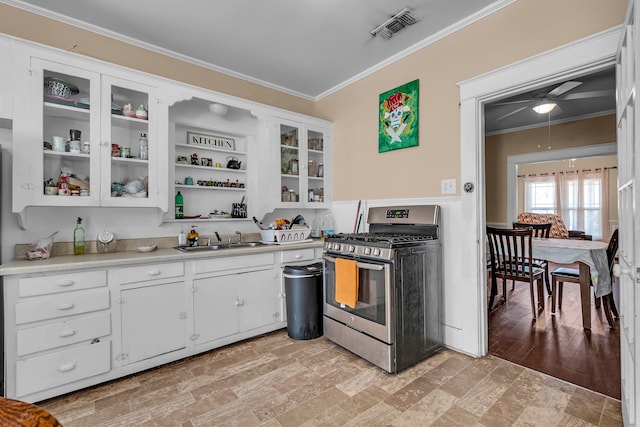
x=557, y=345
x=276, y=381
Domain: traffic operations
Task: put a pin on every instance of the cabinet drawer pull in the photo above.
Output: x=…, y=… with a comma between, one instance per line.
x=67, y=367
x=67, y=306
x=239, y=302
x=67, y=333
x=65, y=283
x=154, y=273
x=297, y=256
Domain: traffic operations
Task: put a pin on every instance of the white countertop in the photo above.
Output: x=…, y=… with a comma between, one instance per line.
x=67, y=262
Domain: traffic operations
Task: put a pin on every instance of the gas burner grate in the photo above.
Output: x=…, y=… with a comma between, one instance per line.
x=392, y=238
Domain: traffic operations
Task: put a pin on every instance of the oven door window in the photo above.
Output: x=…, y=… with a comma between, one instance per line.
x=372, y=291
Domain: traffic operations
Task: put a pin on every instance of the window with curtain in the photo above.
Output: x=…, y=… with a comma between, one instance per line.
x=580, y=198
x=540, y=194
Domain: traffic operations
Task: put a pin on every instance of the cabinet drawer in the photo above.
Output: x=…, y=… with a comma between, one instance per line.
x=59, y=334
x=151, y=272
x=49, y=284
x=63, y=367
x=232, y=263
x=298, y=255
x=62, y=305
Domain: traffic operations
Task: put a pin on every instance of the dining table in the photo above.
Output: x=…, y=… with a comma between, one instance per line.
x=591, y=256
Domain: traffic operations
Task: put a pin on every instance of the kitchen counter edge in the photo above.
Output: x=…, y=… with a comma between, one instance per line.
x=68, y=262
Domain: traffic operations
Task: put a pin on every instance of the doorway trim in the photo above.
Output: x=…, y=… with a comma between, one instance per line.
x=587, y=55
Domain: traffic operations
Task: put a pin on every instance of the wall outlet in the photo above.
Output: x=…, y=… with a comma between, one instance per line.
x=448, y=186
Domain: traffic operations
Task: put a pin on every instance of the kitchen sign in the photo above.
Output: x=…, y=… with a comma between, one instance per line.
x=398, y=118
x=214, y=141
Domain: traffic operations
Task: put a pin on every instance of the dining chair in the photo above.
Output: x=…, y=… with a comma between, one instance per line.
x=572, y=275
x=541, y=231
x=510, y=254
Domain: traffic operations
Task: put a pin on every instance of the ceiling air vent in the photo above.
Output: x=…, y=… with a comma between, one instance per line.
x=394, y=24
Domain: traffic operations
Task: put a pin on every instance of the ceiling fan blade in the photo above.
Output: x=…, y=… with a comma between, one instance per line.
x=563, y=88
x=512, y=102
x=590, y=94
x=512, y=113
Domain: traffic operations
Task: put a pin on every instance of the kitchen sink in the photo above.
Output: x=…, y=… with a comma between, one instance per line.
x=218, y=246
x=245, y=244
x=202, y=248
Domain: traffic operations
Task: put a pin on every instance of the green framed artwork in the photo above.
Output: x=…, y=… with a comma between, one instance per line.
x=398, y=117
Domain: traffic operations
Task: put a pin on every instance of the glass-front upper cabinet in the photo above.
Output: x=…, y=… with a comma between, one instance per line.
x=130, y=148
x=56, y=128
x=84, y=138
x=303, y=165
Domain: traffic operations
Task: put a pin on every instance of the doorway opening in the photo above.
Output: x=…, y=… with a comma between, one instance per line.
x=590, y=55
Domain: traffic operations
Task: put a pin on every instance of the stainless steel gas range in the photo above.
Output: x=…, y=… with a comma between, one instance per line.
x=396, y=321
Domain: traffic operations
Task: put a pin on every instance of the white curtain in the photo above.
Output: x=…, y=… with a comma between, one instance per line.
x=582, y=201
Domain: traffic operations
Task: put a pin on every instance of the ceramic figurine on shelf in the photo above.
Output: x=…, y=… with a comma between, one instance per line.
x=141, y=112
x=128, y=110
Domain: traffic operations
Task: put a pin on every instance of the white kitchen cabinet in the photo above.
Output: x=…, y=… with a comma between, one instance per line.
x=151, y=309
x=153, y=321
x=57, y=330
x=95, y=108
x=6, y=82
x=203, y=142
x=229, y=304
x=305, y=164
x=201, y=173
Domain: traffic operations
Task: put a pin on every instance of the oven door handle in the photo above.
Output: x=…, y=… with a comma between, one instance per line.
x=363, y=265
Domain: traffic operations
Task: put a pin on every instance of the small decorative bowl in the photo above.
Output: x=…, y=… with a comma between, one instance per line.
x=59, y=87
x=147, y=248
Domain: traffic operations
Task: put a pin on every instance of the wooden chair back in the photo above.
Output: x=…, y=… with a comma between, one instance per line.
x=539, y=230
x=510, y=251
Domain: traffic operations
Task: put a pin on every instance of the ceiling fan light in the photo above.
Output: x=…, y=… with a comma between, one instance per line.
x=544, y=108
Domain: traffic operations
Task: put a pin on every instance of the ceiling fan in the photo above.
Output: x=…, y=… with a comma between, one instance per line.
x=544, y=102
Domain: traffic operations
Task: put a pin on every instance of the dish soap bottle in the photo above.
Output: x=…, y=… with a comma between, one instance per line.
x=192, y=237
x=78, y=238
x=182, y=239
x=179, y=206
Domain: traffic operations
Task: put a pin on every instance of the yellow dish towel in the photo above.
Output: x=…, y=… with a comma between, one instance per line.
x=347, y=282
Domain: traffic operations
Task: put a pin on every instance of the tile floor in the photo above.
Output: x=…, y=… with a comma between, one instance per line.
x=273, y=380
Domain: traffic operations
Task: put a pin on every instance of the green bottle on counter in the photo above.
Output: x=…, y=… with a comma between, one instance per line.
x=78, y=238
x=179, y=206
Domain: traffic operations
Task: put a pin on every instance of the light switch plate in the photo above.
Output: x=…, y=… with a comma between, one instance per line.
x=448, y=186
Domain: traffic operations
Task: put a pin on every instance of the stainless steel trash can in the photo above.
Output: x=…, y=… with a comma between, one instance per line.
x=303, y=290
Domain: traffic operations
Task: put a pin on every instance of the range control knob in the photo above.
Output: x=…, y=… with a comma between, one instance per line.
x=377, y=252
x=367, y=251
x=351, y=248
x=336, y=246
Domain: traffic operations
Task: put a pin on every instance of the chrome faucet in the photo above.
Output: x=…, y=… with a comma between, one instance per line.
x=239, y=237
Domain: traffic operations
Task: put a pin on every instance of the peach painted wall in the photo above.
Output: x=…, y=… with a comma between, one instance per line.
x=518, y=31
